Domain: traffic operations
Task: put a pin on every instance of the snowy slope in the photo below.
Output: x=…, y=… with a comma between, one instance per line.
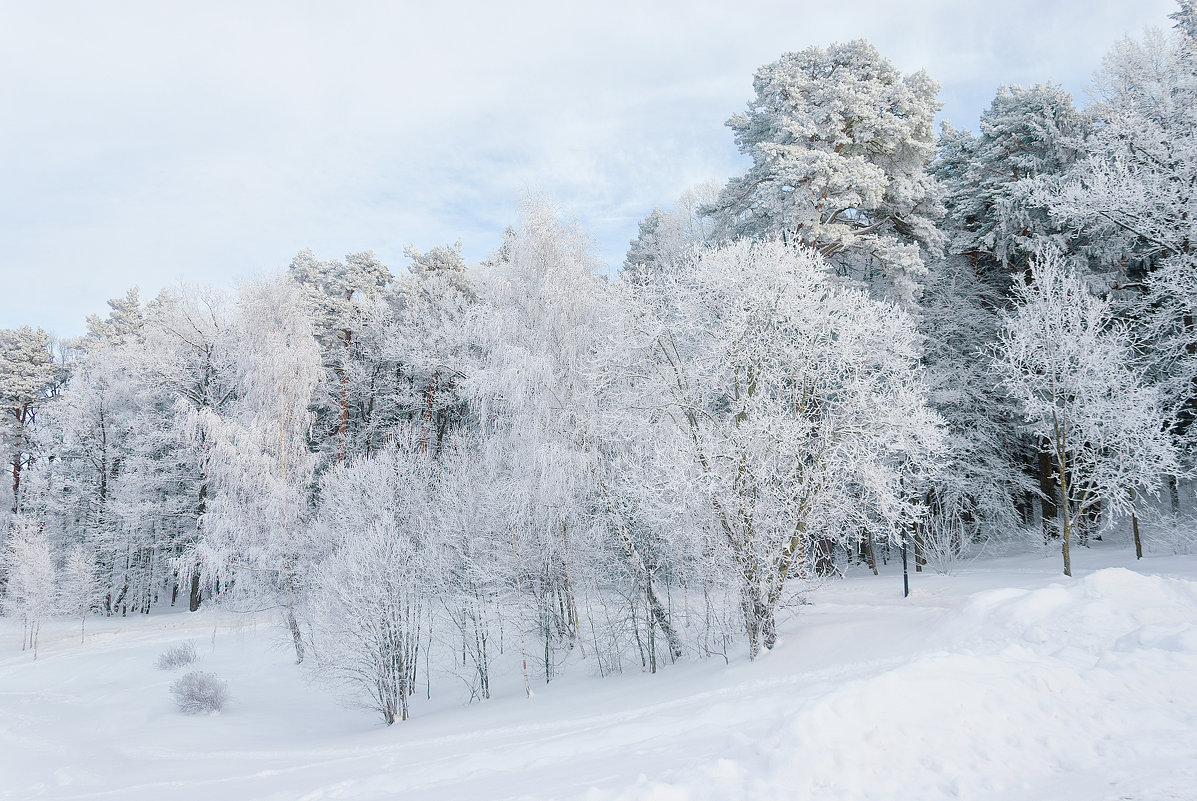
x=1006, y=681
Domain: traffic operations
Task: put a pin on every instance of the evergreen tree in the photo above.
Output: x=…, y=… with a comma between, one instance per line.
x=28, y=379
x=840, y=143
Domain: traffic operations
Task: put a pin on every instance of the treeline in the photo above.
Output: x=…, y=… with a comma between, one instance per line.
x=875, y=336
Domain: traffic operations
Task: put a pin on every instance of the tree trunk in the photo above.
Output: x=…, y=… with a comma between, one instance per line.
x=760, y=623
x=824, y=556
x=296, y=635
x=1064, y=549
x=16, y=480
x=193, y=601
x=1047, y=487
x=1135, y=528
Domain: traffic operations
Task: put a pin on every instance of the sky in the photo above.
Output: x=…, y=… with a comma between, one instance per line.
x=152, y=143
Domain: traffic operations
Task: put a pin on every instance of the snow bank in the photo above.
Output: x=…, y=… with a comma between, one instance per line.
x=1082, y=691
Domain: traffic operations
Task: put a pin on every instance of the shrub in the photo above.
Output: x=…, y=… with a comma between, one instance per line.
x=199, y=693
x=177, y=656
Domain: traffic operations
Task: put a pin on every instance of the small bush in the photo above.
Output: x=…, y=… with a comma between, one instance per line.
x=199, y=693
x=177, y=656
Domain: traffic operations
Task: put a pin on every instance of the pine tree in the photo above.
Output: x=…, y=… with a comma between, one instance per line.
x=28, y=379
x=840, y=142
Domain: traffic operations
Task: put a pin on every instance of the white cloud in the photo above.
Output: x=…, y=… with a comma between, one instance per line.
x=147, y=142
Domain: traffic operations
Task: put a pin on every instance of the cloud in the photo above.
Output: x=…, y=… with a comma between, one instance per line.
x=147, y=142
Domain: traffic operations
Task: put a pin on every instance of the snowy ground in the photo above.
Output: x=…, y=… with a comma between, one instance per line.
x=1005, y=681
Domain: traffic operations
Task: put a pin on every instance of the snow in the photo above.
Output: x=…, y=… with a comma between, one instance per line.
x=1004, y=681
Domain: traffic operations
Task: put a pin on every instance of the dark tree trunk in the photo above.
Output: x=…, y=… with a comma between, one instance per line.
x=1048, y=489
x=193, y=600
x=16, y=480
x=824, y=556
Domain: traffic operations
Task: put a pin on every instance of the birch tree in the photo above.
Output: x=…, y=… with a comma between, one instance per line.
x=258, y=458
x=540, y=324
x=79, y=589
x=371, y=592
x=28, y=562
x=802, y=405
x=1068, y=363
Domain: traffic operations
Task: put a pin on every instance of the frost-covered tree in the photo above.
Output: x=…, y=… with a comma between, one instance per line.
x=120, y=483
x=424, y=347
x=1070, y=366
x=840, y=142
x=340, y=296
x=79, y=588
x=27, y=561
x=94, y=425
x=801, y=406
x=125, y=319
x=1027, y=135
x=540, y=325
x=258, y=460
x=975, y=485
x=466, y=534
x=371, y=591
x=28, y=379
x=666, y=237
x=1029, y=138
x=189, y=356
x=1134, y=196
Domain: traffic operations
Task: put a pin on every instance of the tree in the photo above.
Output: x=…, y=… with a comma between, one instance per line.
x=123, y=480
x=338, y=295
x=1186, y=18
x=188, y=361
x=1030, y=137
x=124, y=320
x=800, y=405
x=973, y=488
x=424, y=342
x=1132, y=199
x=1069, y=365
x=666, y=237
x=369, y=594
x=28, y=378
x=540, y=324
x=258, y=460
x=79, y=589
x=93, y=424
x=1027, y=135
x=840, y=142
x=28, y=561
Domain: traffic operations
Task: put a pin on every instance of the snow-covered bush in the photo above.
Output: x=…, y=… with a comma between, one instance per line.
x=199, y=693
x=177, y=656
x=946, y=542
